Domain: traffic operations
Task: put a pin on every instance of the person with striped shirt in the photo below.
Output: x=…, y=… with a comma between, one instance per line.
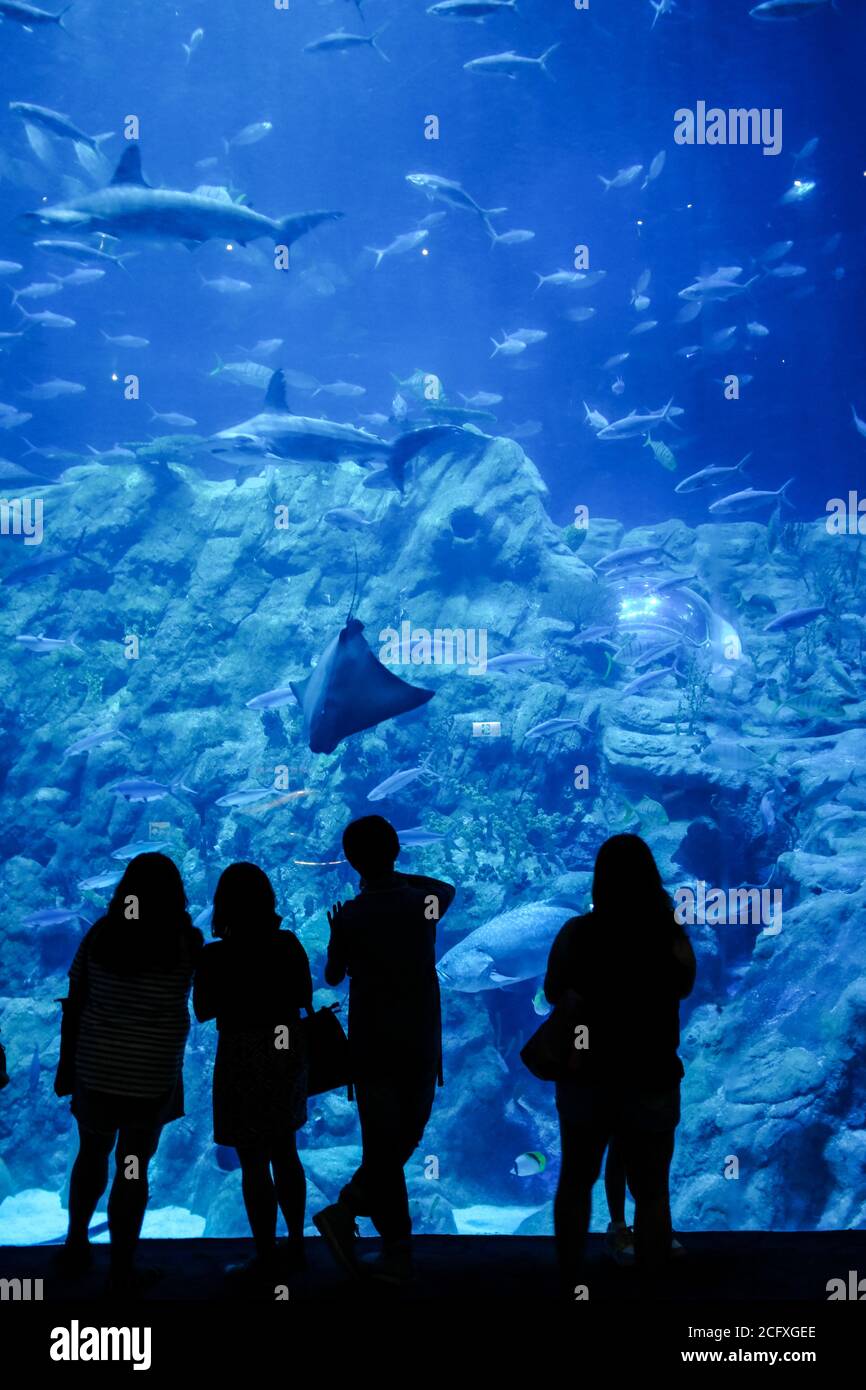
x=129, y=988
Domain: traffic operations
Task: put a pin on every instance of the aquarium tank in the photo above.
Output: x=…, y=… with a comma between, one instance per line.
x=523, y=347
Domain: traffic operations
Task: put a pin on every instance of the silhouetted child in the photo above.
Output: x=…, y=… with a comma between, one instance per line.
x=254, y=982
x=385, y=941
x=129, y=985
x=620, y=1236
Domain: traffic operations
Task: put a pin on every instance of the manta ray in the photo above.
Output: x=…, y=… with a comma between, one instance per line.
x=351, y=690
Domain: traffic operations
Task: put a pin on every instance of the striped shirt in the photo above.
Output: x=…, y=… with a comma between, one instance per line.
x=133, y=1028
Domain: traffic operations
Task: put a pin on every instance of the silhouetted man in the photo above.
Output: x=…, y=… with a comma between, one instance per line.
x=385, y=941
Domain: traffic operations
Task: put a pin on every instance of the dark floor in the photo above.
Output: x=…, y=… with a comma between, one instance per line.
x=719, y=1267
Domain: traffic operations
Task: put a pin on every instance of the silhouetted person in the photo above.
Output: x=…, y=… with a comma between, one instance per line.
x=254, y=982
x=630, y=964
x=129, y=985
x=385, y=941
x=620, y=1236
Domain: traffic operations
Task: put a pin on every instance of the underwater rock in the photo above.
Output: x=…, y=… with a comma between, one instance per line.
x=225, y=606
x=331, y=1168
x=540, y=1223
x=431, y=1212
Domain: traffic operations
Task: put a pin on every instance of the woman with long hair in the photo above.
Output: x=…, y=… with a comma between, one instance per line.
x=254, y=980
x=129, y=987
x=622, y=970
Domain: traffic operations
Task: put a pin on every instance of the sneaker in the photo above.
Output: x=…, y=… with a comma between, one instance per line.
x=620, y=1242
x=336, y=1225
x=392, y=1265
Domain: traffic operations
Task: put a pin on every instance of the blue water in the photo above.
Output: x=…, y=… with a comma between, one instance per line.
x=219, y=627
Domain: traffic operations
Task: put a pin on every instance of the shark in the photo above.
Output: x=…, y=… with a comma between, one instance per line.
x=30, y=16
x=130, y=206
x=277, y=433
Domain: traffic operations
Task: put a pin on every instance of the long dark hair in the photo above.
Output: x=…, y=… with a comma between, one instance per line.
x=147, y=926
x=244, y=903
x=627, y=883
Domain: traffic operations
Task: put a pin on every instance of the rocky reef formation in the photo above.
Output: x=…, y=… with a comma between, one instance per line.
x=743, y=764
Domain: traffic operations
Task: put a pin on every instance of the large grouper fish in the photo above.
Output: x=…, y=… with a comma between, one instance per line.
x=277, y=433
x=130, y=207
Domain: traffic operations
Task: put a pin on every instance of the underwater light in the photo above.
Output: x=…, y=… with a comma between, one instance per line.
x=425, y=252
x=229, y=246
x=114, y=376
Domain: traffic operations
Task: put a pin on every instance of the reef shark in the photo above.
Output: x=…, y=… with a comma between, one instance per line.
x=30, y=16
x=129, y=206
x=277, y=433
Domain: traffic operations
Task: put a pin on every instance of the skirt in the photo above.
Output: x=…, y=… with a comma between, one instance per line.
x=106, y=1112
x=259, y=1091
x=618, y=1110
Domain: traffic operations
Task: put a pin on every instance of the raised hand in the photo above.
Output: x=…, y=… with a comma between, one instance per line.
x=334, y=914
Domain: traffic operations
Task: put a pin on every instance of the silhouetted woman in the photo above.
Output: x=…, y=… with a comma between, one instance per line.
x=129, y=987
x=628, y=963
x=254, y=982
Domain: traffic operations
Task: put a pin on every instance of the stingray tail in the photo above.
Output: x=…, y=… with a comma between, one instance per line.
x=351, y=611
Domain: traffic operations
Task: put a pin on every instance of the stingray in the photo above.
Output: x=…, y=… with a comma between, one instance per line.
x=351, y=690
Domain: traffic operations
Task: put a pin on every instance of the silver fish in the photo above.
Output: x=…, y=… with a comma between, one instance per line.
x=470, y=9
x=93, y=740
x=248, y=797
x=272, y=699
x=749, y=500
x=552, y=726
x=622, y=178
x=796, y=618
x=711, y=477
x=341, y=42
x=137, y=847
x=399, y=246
x=515, y=661
x=58, y=124
x=450, y=192
x=42, y=644
x=398, y=781
x=109, y=879
x=510, y=64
